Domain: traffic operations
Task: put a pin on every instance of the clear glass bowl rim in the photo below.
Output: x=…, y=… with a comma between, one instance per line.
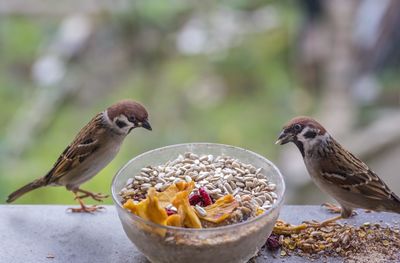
x=182, y=229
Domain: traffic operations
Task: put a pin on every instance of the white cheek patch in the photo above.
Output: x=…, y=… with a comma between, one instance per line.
x=302, y=136
x=127, y=127
x=308, y=140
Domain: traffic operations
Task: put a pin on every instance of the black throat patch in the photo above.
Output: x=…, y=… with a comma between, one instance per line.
x=300, y=145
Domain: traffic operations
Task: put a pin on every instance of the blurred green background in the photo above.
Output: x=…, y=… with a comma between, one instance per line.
x=231, y=72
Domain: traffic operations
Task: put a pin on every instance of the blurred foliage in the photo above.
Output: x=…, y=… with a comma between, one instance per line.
x=238, y=95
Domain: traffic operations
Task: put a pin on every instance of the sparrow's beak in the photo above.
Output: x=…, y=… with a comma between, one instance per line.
x=284, y=138
x=146, y=125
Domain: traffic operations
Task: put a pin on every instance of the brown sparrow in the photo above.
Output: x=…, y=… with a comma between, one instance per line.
x=336, y=171
x=92, y=149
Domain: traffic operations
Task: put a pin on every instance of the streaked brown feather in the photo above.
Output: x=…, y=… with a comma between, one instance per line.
x=81, y=147
x=351, y=174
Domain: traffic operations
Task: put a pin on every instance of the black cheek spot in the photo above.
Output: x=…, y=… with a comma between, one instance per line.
x=310, y=134
x=120, y=124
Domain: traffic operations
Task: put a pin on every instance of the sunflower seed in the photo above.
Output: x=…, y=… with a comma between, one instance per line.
x=145, y=186
x=259, y=201
x=158, y=186
x=188, y=179
x=236, y=191
x=268, y=197
x=201, y=211
x=228, y=188
x=129, y=181
x=239, y=184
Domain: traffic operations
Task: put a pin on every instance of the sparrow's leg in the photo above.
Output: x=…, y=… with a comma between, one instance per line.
x=345, y=212
x=84, y=208
x=283, y=228
x=96, y=196
x=326, y=222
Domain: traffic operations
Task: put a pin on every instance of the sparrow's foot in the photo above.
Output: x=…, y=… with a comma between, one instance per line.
x=334, y=209
x=95, y=196
x=316, y=224
x=86, y=209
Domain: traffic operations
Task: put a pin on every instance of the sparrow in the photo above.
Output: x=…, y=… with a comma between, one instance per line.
x=92, y=149
x=336, y=171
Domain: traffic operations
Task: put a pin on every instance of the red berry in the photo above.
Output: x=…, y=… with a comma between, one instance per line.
x=205, y=197
x=169, y=211
x=273, y=242
x=195, y=199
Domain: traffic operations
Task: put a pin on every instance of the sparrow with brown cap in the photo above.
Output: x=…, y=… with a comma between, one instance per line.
x=336, y=171
x=92, y=149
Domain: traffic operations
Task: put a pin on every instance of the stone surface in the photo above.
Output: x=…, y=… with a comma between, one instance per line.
x=40, y=233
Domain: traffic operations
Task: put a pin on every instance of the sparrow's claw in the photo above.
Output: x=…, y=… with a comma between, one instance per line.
x=86, y=209
x=334, y=209
x=317, y=224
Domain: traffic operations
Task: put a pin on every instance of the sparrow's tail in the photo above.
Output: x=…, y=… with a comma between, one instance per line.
x=27, y=188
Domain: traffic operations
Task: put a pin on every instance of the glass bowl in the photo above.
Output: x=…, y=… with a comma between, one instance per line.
x=232, y=243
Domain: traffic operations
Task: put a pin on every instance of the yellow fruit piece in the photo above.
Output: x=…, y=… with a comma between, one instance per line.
x=155, y=212
x=185, y=211
x=148, y=208
x=181, y=185
x=153, y=207
x=165, y=198
x=221, y=209
x=130, y=205
x=259, y=211
x=174, y=220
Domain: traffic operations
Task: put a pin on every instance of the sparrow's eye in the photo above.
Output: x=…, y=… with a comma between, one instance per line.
x=297, y=127
x=120, y=123
x=131, y=119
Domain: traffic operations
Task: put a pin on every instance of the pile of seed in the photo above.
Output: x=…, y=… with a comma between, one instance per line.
x=219, y=175
x=367, y=243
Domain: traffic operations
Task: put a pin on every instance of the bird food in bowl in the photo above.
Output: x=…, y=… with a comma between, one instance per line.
x=198, y=202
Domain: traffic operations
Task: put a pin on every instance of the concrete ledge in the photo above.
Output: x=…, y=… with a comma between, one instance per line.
x=47, y=233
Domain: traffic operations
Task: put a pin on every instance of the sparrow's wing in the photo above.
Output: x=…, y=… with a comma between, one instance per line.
x=353, y=175
x=84, y=145
x=368, y=183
